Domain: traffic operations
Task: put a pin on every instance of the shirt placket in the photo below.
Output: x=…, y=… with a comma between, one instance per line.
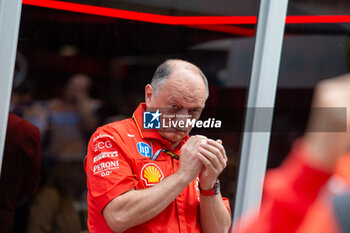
x=180, y=204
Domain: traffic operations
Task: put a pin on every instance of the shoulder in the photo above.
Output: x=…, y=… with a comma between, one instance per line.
x=115, y=128
x=116, y=132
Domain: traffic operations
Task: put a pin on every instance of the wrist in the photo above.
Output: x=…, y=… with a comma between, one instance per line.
x=213, y=191
x=207, y=184
x=182, y=178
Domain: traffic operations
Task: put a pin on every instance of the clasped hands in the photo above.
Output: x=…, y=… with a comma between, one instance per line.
x=204, y=158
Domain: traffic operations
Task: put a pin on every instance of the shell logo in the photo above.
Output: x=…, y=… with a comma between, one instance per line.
x=151, y=174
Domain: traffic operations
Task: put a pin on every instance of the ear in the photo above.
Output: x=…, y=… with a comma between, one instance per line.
x=148, y=94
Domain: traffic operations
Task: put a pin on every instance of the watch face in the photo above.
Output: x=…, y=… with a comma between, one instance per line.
x=217, y=187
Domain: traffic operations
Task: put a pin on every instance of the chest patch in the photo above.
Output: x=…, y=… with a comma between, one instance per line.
x=151, y=174
x=144, y=149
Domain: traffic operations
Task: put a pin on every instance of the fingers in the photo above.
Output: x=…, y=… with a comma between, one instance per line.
x=217, y=145
x=211, y=153
x=215, y=153
x=222, y=149
x=192, y=141
x=192, y=144
x=197, y=140
x=208, y=163
x=213, y=158
x=201, y=137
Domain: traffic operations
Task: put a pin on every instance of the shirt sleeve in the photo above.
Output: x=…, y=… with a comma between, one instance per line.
x=108, y=170
x=227, y=204
x=289, y=191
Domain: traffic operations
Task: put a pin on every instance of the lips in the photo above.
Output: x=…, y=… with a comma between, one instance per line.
x=184, y=130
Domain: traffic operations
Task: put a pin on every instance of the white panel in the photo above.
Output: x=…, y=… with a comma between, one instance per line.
x=10, y=13
x=262, y=91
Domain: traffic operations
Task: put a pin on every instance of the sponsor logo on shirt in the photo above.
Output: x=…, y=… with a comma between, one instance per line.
x=106, y=168
x=102, y=155
x=151, y=174
x=144, y=149
x=102, y=136
x=102, y=145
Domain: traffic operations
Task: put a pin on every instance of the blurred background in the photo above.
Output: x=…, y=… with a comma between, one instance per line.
x=76, y=71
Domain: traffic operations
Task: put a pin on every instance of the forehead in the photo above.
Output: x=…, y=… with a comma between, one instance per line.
x=184, y=88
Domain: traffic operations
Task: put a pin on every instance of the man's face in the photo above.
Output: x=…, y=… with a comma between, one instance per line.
x=179, y=98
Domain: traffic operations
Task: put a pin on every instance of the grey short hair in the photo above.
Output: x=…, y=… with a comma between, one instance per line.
x=164, y=70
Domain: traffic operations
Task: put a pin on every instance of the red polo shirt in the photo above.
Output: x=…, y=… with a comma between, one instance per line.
x=118, y=160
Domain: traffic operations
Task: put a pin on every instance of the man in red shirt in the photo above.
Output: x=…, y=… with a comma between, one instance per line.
x=158, y=180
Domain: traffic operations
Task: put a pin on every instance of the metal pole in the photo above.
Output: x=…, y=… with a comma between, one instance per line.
x=262, y=91
x=10, y=14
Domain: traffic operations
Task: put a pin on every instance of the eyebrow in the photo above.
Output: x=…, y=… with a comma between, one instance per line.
x=176, y=101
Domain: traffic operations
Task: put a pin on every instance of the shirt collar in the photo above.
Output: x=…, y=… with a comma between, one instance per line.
x=149, y=133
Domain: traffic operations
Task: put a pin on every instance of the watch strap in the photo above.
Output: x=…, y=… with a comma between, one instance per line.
x=211, y=192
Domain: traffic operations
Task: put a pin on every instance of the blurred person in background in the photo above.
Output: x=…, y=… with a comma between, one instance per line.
x=71, y=118
x=67, y=121
x=20, y=173
x=310, y=191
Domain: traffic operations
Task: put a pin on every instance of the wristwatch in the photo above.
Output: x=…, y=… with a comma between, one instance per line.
x=214, y=191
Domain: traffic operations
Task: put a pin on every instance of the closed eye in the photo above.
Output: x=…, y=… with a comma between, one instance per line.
x=194, y=110
x=174, y=108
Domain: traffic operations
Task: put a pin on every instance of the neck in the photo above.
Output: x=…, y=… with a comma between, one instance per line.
x=174, y=145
